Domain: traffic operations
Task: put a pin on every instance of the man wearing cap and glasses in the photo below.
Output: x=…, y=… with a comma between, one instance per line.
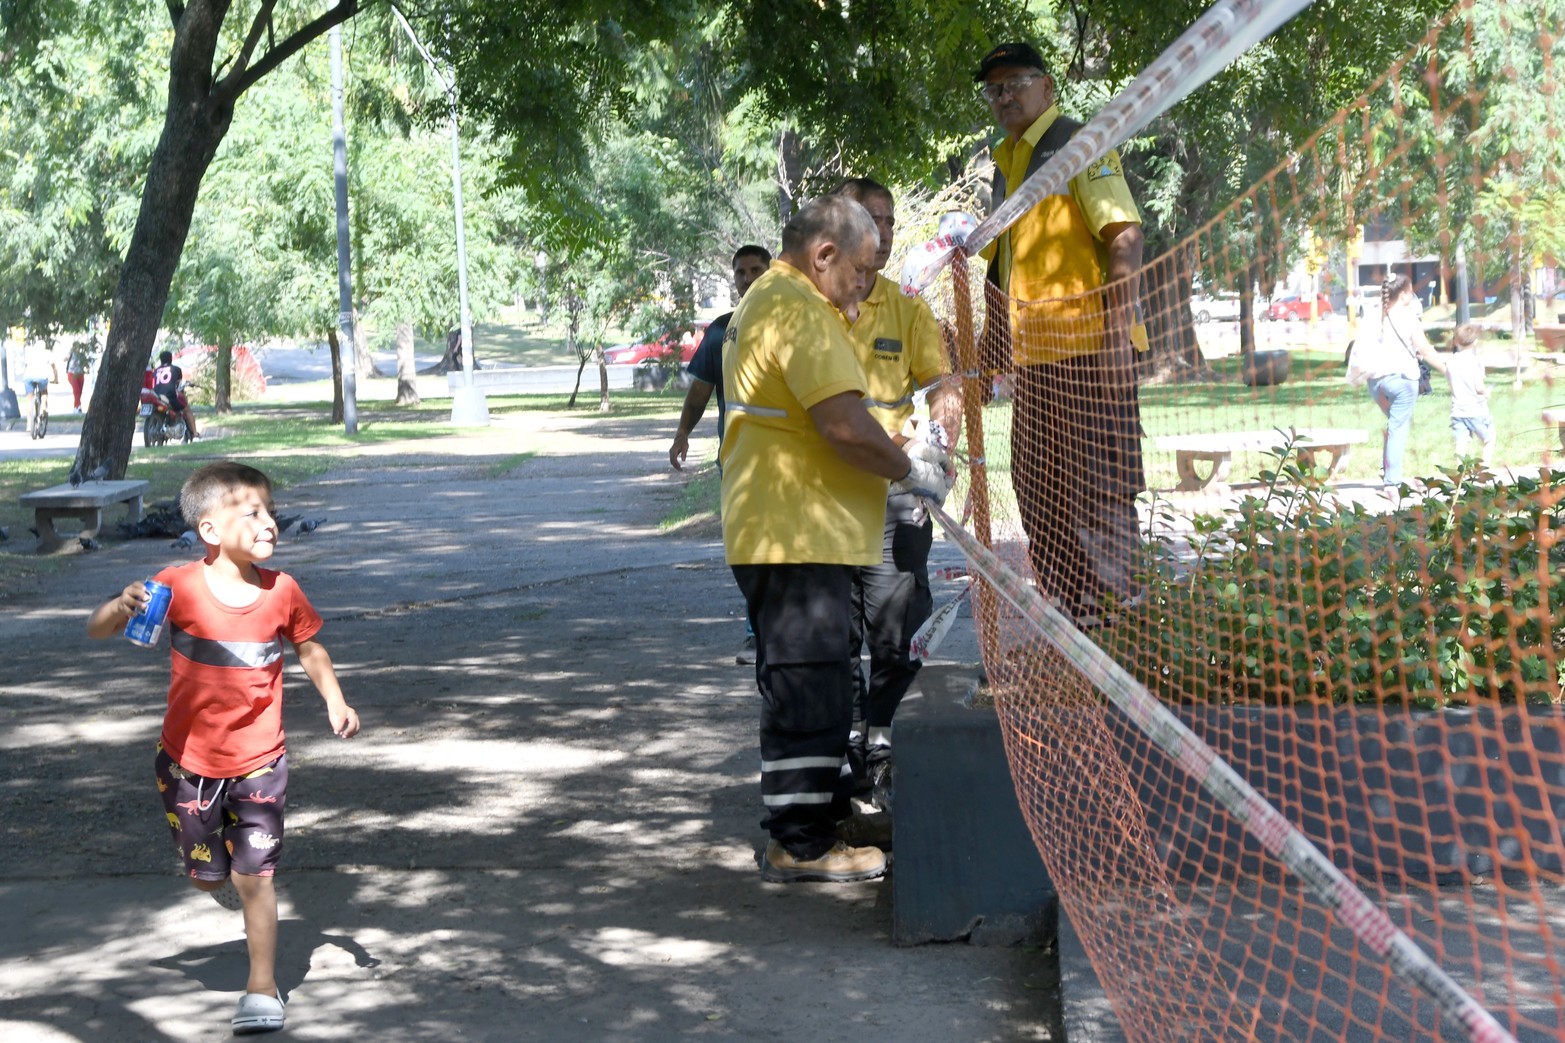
x=1070, y=269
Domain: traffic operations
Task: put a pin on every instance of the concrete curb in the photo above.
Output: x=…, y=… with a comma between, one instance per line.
x=1087, y=1013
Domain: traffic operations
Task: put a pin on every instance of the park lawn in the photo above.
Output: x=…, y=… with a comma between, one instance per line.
x=166, y=470
x=290, y=443
x=1314, y=395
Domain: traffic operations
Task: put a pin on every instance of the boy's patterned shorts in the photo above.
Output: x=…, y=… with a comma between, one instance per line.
x=225, y=825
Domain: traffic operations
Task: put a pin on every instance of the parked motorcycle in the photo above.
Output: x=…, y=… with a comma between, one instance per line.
x=163, y=421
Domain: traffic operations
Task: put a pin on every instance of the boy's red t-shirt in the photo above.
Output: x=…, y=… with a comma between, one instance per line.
x=225, y=696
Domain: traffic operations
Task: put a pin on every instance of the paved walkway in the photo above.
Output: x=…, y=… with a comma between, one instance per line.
x=547, y=830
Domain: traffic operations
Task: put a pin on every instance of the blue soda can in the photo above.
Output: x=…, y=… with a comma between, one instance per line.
x=145, y=629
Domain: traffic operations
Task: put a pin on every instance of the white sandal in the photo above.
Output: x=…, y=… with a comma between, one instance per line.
x=258, y=1013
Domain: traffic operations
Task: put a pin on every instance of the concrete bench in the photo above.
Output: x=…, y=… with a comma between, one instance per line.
x=1555, y=418
x=86, y=503
x=1217, y=449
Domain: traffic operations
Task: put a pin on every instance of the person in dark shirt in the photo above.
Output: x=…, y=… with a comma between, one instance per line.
x=167, y=381
x=706, y=366
x=706, y=376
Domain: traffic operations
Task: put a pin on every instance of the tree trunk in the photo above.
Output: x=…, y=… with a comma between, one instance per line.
x=363, y=364
x=787, y=175
x=603, y=379
x=581, y=367
x=339, y=407
x=407, y=389
x=1175, y=350
x=1252, y=275
x=223, y=374
x=193, y=127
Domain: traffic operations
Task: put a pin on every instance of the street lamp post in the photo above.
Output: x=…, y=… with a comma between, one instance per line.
x=468, y=407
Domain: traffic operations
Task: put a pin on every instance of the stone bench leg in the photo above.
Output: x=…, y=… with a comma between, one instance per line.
x=1339, y=458
x=1189, y=481
x=49, y=540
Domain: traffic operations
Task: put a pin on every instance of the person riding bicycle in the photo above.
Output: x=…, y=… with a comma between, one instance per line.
x=38, y=371
x=167, y=383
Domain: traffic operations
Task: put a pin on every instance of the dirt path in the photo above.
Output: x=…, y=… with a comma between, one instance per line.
x=546, y=832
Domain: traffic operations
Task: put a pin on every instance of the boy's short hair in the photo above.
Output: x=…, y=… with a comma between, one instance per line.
x=166, y=357
x=1466, y=336
x=208, y=487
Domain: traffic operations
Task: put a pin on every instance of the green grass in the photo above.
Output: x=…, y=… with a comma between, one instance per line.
x=501, y=468
x=698, y=502
x=257, y=428
x=1314, y=395
x=21, y=569
x=518, y=338
x=622, y=404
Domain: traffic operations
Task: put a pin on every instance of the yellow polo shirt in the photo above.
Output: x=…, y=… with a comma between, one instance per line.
x=898, y=344
x=1052, y=259
x=788, y=498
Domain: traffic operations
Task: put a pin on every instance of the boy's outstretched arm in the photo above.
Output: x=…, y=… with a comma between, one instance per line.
x=317, y=664
x=111, y=616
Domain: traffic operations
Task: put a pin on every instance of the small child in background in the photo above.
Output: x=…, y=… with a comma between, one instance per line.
x=1464, y=371
x=221, y=766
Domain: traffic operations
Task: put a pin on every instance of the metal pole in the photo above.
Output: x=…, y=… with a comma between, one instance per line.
x=468, y=408
x=350, y=409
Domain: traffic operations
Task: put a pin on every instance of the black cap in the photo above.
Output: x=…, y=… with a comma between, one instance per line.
x=1019, y=54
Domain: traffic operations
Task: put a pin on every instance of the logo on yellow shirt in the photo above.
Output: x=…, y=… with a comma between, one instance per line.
x=888, y=346
x=1107, y=167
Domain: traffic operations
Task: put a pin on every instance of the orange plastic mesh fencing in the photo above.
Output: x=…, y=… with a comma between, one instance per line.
x=1342, y=590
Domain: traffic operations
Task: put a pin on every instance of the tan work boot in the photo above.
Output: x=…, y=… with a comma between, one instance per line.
x=839, y=865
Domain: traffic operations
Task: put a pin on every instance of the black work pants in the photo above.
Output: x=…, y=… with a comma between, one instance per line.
x=1076, y=468
x=801, y=619
x=891, y=601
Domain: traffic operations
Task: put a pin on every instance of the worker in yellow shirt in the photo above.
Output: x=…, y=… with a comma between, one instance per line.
x=898, y=343
x=805, y=471
x=1069, y=268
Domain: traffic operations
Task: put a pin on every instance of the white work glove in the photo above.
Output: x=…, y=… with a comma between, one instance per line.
x=930, y=475
x=917, y=429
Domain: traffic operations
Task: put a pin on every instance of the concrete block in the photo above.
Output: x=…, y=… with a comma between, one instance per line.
x=965, y=865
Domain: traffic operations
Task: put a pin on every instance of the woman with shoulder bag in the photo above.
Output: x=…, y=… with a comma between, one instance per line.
x=1387, y=360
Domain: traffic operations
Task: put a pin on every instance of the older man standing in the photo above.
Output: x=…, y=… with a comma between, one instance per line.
x=805, y=472
x=1070, y=267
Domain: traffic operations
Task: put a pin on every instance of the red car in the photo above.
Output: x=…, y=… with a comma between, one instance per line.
x=1293, y=308
x=659, y=349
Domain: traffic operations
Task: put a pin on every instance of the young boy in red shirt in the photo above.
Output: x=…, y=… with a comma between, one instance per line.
x=221, y=767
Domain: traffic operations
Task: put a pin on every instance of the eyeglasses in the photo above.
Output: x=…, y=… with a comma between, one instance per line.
x=1013, y=86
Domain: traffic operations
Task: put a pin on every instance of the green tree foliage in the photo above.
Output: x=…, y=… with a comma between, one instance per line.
x=1209, y=149
x=261, y=258
x=871, y=86
x=74, y=123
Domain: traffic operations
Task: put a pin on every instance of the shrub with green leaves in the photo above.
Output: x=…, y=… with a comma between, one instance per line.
x=1293, y=596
